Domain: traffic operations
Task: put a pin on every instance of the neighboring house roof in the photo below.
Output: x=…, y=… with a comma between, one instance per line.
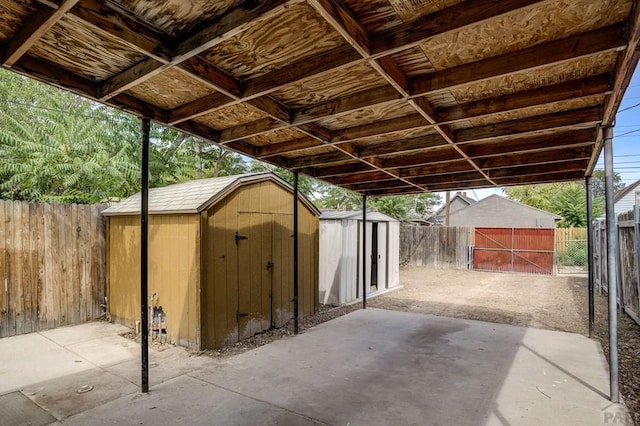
x=463, y=198
x=624, y=191
x=481, y=203
x=457, y=202
x=193, y=196
x=354, y=214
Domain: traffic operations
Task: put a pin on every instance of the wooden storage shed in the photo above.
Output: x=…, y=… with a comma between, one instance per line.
x=341, y=254
x=220, y=258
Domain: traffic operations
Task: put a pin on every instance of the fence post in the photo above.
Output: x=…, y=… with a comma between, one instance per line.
x=614, y=393
x=620, y=278
x=590, y=253
x=636, y=213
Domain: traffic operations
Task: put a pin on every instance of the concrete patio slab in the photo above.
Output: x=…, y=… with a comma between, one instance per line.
x=372, y=367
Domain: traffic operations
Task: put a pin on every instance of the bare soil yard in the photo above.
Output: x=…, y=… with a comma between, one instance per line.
x=541, y=301
x=553, y=303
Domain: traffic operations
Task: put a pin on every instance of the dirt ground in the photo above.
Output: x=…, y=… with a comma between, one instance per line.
x=553, y=303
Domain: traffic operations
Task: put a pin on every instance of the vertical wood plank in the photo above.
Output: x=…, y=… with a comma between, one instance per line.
x=101, y=260
x=82, y=261
x=27, y=276
x=56, y=267
x=4, y=290
x=63, y=236
x=73, y=236
x=18, y=300
x=49, y=271
x=40, y=266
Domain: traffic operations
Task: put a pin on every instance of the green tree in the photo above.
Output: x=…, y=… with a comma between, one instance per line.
x=62, y=158
x=567, y=200
x=597, y=183
x=58, y=147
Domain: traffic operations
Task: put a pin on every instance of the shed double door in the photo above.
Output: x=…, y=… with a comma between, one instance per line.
x=265, y=286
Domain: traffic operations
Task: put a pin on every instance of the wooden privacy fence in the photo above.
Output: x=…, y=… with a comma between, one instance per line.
x=52, y=265
x=627, y=268
x=436, y=246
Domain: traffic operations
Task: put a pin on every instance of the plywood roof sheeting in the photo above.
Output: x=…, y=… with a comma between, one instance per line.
x=378, y=96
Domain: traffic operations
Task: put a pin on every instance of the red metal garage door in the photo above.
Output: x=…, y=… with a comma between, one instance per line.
x=514, y=250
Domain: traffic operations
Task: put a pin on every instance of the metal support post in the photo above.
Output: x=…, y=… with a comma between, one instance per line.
x=589, y=194
x=144, y=255
x=295, y=253
x=612, y=241
x=364, y=251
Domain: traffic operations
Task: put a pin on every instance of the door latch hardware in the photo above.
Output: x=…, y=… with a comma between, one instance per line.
x=240, y=237
x=269, y=264
x=240, y=315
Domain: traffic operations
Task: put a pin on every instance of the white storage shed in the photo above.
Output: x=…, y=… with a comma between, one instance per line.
x=341, y=253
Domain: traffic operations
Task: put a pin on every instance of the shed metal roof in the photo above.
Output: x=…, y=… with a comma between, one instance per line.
x=377, y=96
x=192, y=196
x=355, y=214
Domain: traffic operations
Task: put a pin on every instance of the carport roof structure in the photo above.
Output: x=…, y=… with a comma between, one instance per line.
x=377, y=96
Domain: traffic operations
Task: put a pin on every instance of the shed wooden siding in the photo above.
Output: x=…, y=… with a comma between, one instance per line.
x=261, y=212
x=173, y=272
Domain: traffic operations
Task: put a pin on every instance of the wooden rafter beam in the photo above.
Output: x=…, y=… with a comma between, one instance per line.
x=195, y=108
x=341, y=19
x=226, y=26
x=211, y=76
x=418, y=143
x=547, y=178
x=539, y=169
x=573, y=118
x=137, y=36
x=450, y=19
x=341, y=170
x=530, y=144
x=544, y=157
x=589, y=86
x=53, y=74
x=377, y=185
x=567, y=49
x=437, y=169
x=381, y=127
x=314, y=160
x=42, y=20
x=287, y=147
x=436, y=155
x=254, y=128
x=308, y=67
x=448, y=178
x=408, y=190
x=345, y=104
x=359, y=177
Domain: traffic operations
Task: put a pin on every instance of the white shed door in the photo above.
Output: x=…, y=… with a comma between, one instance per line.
x=382, y=255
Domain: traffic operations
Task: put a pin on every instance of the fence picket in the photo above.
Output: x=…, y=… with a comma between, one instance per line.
x=47, y=255
x=435, y=246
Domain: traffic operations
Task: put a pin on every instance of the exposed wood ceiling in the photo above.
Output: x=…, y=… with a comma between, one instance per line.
x=378, y=96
